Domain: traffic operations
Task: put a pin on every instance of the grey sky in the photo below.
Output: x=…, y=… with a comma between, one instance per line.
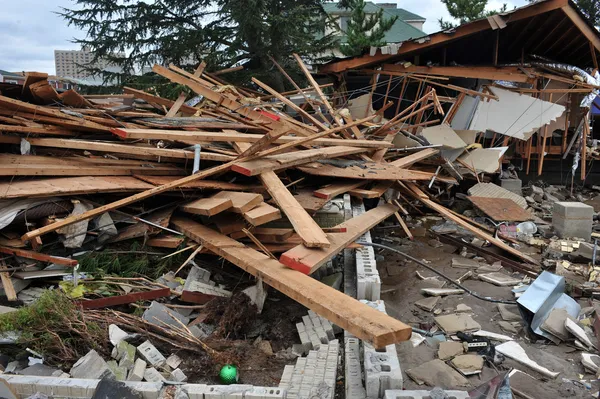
x=31, y=30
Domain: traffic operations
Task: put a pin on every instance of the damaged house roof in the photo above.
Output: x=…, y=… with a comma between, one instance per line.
x=554, y=29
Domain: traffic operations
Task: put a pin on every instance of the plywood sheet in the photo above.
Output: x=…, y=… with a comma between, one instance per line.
x=490, y=190
x=443, y=134
x=501, y=209
x=484, y=159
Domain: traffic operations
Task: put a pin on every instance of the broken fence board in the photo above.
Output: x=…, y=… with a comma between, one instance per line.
x=357, y=318
x=370, y=171
x=307, y=260
x=125, y=299
x=39, y=256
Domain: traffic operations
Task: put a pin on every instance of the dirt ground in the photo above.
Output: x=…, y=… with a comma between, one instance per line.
x=401, y=288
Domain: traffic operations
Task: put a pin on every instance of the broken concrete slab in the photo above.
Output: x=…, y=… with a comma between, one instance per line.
x=201, y=293
x=125, y=354
x=119, y=372
x=508, y=327
x=454, y=323
x=468, y=364
x=495, y=267
x=40, y=370
x=509, y=312
x=465, y=263
x=178, y=375
x=500, y=279
x=173, y=361
x=109, y=389
x=462, y=308
x=258, y=295
x=428, y=304
x=442, y=291
x=513, y=350
x=555, y=325
x=447, y=350
x=116, y=335
x=437, y=373
x=161, y=316
x=91, y=366
x=591, y=362
x=578, y=332
x=152, y=375
x=492, y=335
x=138, y=370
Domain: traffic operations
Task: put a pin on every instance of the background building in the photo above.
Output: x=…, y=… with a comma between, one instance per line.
x=10, y=77
x=71, y=64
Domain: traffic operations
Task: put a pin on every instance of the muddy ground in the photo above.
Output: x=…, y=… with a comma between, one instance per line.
x=401, y=288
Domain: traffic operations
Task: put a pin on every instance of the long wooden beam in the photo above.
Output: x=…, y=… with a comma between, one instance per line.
x=306, y=227
x=287, y=160
x=590, y=33
x=512, y=74
x=39, y=256
x=227, y=136
x=308, y=260
x=106, y=146
x=357, y=318
x=149, y=98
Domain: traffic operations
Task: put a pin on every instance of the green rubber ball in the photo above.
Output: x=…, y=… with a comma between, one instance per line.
x=229, y=374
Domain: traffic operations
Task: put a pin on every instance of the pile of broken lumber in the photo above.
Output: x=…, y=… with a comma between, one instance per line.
x=233, y=174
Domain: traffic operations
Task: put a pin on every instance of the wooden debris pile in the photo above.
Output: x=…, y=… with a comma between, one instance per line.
x=233, y=175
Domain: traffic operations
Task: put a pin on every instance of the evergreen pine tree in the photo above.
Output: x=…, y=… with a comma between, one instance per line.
x=136, y=33
x=364, y=30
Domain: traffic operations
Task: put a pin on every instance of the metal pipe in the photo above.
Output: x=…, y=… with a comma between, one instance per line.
x=197, y=149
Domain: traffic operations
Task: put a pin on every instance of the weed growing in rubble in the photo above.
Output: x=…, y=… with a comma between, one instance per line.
x=55, y=327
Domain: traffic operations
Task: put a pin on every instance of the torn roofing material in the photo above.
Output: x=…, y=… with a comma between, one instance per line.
x=515, y=115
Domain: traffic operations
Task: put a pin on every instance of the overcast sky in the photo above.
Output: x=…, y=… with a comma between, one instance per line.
x=31, y=31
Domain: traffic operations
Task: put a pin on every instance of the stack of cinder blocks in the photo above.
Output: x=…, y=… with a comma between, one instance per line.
x=314, y=330
x=572, y=219
x=313, y=376
x=368, y=282
x=382, y=367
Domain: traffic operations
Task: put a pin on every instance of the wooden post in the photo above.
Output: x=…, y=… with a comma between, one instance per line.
x=584, y=134
x=387, y=90
x=496, y=46
x=542, y=152
x=567, y=116
x=528, y=154
x=404, y=83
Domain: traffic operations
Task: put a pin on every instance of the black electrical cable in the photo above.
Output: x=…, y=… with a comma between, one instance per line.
x=417, y=261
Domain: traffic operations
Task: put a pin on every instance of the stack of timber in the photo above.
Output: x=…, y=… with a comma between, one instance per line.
x=233, y=175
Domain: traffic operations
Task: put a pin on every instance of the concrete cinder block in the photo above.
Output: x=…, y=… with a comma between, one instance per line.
x=235, y=391
x=151, y=355
x=178, y=375
x=137, y=372
x=195, y=391
x=368, y=282
x=512, y=185
x=152, y=375
x=572, y=219
x=265, y=393
x=353, y=369
x=421, y=394
x=160, y=315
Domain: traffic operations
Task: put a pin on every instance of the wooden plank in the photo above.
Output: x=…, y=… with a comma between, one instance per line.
x=333, y=190
x=267, y=235
x=421, y=196
x=308, y=201
x=240, y=202
x=111, y=147
x=411, y=159
x=262, y=214
x=74, y=99
x=166, y=241
x=125, y=201
x=513, y=74
x=307, y=260
x=501, y=209
x=207, y=206
x=232, y=136
x=287, y=160
x=201, y=184
x=357, y=318
x=228, y=223
x=9, y=288
x=303, y=224
x=125, y=299
x=39, y=256
x=45, y=130
x=31, y=78
x=370, y=171
x=71, y=186
x=361, y=193
x=590, y=33
x=176, y=105
x=23, y=168
x=149, y=98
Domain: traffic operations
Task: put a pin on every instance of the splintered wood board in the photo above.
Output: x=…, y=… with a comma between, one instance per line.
x=501, y=209
x=357, y=318
x=71, y=186
x=370, y=171
x=241, y=202
x=332, y=190
x=199, y=184
x=208, y=206
x=262, y=214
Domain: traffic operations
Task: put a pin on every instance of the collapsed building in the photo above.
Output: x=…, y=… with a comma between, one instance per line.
x=369, y=236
